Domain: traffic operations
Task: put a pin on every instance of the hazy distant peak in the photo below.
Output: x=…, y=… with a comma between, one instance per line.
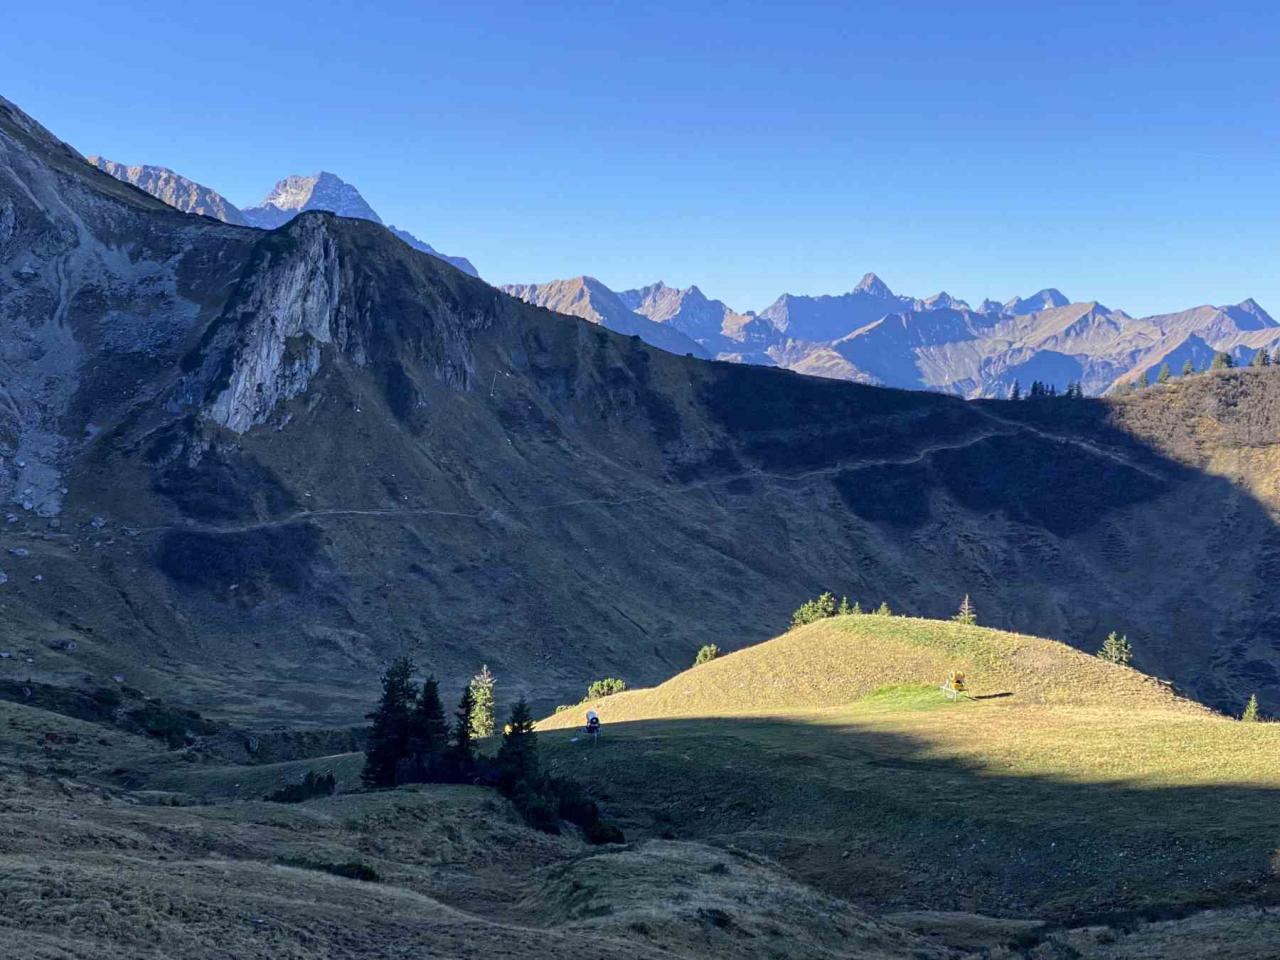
x=1045, y=299
x=173, y=188
x=318, y=191
x=873, y=285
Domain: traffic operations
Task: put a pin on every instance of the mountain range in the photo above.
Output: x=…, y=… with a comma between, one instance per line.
x=291, y=196
x=872, y=335
x=245, y=467
x=868, y=335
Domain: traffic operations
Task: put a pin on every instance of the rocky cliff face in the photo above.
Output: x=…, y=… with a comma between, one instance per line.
x=245, y=468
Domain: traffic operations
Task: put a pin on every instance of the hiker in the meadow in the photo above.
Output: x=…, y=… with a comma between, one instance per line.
x=593, y=725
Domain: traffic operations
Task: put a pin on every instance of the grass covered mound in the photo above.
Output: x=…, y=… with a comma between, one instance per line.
x=843, y=659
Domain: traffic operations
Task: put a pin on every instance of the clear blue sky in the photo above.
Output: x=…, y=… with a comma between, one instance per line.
x=1120, y=151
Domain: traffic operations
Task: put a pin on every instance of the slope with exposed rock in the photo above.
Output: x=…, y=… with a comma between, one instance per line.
x=244, y=468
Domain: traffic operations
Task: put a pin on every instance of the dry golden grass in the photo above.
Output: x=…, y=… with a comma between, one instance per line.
x=842, y=659
x=1068, y=786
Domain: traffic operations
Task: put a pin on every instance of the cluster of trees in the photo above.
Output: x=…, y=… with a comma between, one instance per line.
x=410, y=741
x=605, y=688
x=1220, y=361
x=824, y=606
x=1044, y=391
x=542, y=799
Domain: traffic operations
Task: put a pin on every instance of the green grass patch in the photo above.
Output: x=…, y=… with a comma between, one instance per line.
x=907, y=696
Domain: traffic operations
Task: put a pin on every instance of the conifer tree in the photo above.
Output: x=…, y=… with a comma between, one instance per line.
x=1222, y=361
x=1188, y=368
x=844, y=607
x=388, y=740
x=1164, y=374
x=518, y=756
x=1250, y=714
x=483, y=713
x=1116, y=649
x=966, y=615
x=1261, y=359
x=856, y=609
x=1144, y=380
x=428, y=733
x=461, y=752
x=883, y=610
x=1016, y=392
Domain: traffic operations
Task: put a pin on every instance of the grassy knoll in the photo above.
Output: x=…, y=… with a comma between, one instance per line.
x=1070, y=788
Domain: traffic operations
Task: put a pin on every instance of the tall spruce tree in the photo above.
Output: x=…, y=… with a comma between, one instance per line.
x=518, y=756
x=483, y=713
x=1016, y=392
x=461, y=751
x=428, y=734
x=1164, y=374
x=1261, y=359
x=388, y=740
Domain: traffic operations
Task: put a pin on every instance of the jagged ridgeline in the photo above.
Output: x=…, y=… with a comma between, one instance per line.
x=245, y=468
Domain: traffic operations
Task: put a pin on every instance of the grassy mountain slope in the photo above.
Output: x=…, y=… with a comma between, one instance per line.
x=1067, y=788
x=260, y=464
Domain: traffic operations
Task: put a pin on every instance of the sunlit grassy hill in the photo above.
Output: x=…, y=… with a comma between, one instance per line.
x=1065, y=787
x=840, y=660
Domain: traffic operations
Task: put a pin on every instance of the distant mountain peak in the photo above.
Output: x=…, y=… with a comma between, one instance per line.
x=317, y=191
x=1045, y=299
x=174, y=189
x=873, y=285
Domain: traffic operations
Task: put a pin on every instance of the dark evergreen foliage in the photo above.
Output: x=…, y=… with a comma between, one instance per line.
x=388, y=742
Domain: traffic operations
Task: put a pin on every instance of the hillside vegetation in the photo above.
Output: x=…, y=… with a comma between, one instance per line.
x=840, y=660
x=1062, y=788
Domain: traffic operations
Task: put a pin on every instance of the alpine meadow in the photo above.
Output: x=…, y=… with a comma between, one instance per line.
x=359, y=600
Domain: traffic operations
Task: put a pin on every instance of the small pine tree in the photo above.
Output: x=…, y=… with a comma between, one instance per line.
x=966, y=614
x=706, y=654
x=1144, y=380
x=1164, y=374
x=1116, y=649
x=388, y=740
x=428, y=734
x=1250, y=714
x=883, y=610
x=1261, y=359
x=518, y=756
x=1016, y=392
x=1222, y=361
x=1188, y=368
x=856, y=609
x=844, y=607
x=483, y=713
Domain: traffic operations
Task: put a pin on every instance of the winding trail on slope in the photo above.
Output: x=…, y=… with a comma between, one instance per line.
x=1010, y=428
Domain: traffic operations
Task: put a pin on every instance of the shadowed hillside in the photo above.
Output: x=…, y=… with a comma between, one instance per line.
x=246, y=468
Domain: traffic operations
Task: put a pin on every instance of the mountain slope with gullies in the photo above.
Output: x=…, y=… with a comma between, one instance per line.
x=246, y=468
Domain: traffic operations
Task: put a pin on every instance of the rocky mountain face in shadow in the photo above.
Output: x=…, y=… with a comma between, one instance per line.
x=245, y=468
